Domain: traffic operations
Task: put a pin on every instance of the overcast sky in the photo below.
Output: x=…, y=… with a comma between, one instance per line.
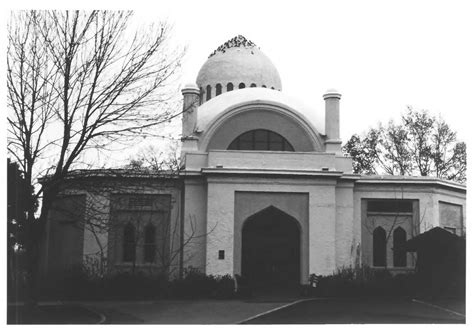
x=382, y=56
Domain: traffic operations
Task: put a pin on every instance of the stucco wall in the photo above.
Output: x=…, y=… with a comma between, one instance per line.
x=65, y=234
x=321, y=219
x=89, y=241
x=426, y=199
x=346, y=246
x=195, y=225
x=96, y=229
x=271, y=160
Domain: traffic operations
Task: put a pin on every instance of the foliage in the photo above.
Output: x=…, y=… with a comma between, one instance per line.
x=196, y=284
x=78, y=284
x=421, y=145
x=79, y=83
x=363, y=281
x=19, y=197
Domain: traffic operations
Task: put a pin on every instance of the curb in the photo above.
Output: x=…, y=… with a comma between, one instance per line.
x=273, y=310
x=94, y=311
x=438, y=307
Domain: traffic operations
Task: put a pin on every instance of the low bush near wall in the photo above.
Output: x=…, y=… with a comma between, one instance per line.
x=77, y=284
x=196, y=284
x=347, y=282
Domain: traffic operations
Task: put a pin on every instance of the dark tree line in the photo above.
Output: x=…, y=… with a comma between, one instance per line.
x=420, y=145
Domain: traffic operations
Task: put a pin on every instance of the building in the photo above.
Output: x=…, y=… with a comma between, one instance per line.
x=264, y=191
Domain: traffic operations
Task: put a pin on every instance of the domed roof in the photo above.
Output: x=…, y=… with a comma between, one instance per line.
x=238, y=61
x=210, y=111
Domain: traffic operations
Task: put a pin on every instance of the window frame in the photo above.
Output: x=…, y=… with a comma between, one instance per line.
x=208, y=92
x=129, y=253
x=378, y=231
x=147, y=258
x=398, y=251
x=254, y=137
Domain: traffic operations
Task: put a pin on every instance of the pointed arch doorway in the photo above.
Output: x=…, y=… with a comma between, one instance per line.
x=271, y=249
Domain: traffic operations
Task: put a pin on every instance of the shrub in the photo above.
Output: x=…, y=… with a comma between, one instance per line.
x=363, y=281
x=78, y=284
x=225, y=287
x=196, y=284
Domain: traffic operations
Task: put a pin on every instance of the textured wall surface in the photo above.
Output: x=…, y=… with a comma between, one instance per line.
x=65, y=233
x=271, y=160
x=345, y=244
x=451, y=216
x=321, y=218
x=195, y=225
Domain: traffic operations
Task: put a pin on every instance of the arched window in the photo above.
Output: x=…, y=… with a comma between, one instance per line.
x=201, y=95
x=379, y=247
x=261, y=140
x=149, y=248
x=241, y=85
x=253, y=85
x=208, y=92
x=230, y=87
x=264, y=86
x=218, y=89
x=129, y=243
x=273, y=88
x=399, y=254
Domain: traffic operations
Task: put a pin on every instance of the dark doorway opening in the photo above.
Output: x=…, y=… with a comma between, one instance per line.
x=271, y=249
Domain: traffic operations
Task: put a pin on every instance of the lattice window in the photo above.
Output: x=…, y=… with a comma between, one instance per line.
x=140, y=201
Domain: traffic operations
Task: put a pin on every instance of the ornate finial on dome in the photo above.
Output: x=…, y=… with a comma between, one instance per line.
x=238, y=41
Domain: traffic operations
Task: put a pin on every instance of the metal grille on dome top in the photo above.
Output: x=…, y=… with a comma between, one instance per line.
x=238, y=41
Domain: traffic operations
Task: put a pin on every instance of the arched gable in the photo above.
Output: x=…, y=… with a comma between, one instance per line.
x=238, y=119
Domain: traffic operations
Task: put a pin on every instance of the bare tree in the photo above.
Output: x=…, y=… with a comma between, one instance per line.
x=153, y=159
x=78, y=82
x=420, y=145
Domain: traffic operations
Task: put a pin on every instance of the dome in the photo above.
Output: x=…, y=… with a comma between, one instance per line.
x=212, y=114
x=240, y=63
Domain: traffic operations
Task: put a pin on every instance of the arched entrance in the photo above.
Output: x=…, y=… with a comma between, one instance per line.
x=271, y=249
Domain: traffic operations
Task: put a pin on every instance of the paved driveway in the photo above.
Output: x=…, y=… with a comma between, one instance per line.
x=360, y=311
x=311, y=311
x=182, y=311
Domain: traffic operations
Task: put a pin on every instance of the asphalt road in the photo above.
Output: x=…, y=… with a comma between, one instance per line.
x=360, y=311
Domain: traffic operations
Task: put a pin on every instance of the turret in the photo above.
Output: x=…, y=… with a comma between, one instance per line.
x=333, y=141
x=190, y=104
